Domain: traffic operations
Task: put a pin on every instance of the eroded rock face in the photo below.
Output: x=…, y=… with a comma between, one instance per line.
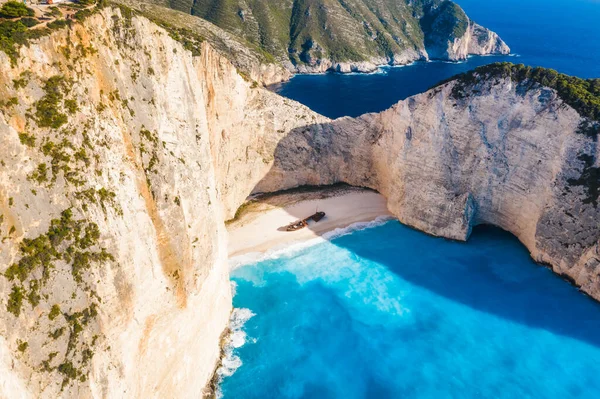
x=113, y=243
x=510, y=155
x=476, y=41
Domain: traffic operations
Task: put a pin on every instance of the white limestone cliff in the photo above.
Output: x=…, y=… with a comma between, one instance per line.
x=141, y=289
x=510, y=155
x=476, y=41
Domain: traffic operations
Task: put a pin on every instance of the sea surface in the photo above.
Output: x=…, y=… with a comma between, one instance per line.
x=559, y=34
x=389, y=312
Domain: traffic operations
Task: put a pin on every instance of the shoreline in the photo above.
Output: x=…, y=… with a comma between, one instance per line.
x=261, y=226
x=379, y=67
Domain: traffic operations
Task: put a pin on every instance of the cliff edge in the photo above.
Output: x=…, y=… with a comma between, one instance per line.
x=505, y=145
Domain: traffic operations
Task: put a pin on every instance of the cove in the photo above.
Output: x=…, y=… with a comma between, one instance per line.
x=558, y=34
x=389, y=312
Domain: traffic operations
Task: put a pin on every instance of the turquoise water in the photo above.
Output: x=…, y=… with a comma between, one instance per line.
x=389, y=312
x=559, y=34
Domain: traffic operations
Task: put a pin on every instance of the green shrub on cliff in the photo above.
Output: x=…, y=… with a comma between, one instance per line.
x=15, y=9
x=47, y=108
x=54, y=312
x=15, y=301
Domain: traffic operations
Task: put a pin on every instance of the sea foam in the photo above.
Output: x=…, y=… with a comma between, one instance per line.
x=237, y=338
x=290, y=249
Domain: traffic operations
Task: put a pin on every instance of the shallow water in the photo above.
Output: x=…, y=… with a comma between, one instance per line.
x=389, y=312
x=559, y=34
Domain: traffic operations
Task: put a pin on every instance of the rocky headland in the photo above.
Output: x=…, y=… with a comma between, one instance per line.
x=350, y=35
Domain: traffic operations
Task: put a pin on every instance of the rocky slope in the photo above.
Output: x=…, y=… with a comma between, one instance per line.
x=505, y=146
x=349, y=35
x=122, y=155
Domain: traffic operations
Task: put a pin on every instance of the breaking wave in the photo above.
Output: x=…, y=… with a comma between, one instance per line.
x=237, y=338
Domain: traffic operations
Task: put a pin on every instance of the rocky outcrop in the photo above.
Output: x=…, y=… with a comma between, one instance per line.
x=451, y=35
x=350, y=35
x=494, y=150
x=477, y=40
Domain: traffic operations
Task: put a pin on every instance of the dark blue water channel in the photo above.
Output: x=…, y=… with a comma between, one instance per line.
x=559, y=34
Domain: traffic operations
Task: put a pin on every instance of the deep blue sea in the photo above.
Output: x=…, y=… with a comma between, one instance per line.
x=388, y=312
x=559, y=34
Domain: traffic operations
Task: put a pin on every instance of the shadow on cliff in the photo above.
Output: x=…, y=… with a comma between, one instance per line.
x=491, y=273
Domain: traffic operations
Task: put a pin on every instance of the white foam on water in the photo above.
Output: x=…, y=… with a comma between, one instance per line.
x=339, y=232
x=289, y=249
x=237, y=338
x=400, y=65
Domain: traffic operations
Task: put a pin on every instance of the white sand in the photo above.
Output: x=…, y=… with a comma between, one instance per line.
x=265, y=231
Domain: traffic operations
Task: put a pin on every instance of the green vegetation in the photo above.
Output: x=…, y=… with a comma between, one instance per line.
x=11, y=102
x=54, y=312
x=22, y=346
x=63, y=155
x=27, y=139
x=48, y=107
x=40, y=174
x=15, y=33
x=583, y=95
x=190, y=40
x=240, y=211
x=149, y=159
x=56, y=334
x=306, y=30
x=54, y=12
x=75, y=243
x=69, y=372
x=68, y=240
x=15, y=9
x=15, y=301
x=71, y=106
x=102, y=197
x=448, y=21
x=23, y=80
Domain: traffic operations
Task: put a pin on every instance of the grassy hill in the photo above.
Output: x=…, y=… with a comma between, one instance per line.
x=339, y=30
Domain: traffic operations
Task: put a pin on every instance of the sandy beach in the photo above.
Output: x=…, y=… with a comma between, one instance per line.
x=260, y=226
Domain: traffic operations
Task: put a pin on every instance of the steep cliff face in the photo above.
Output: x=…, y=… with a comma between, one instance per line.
x=451, y=35
x=495, y=151
x=113, y=250
x=248, y=58
x=350, y=35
